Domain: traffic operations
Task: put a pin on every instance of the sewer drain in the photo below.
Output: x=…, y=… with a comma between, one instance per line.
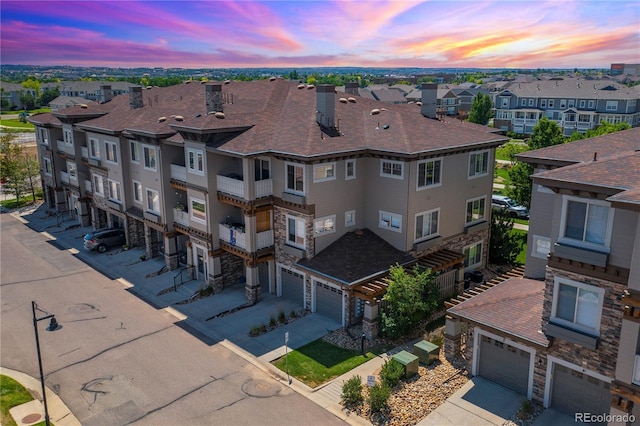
x=260, y=388
x=31, y=418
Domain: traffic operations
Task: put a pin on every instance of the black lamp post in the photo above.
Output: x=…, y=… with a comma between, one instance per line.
x=53, y=325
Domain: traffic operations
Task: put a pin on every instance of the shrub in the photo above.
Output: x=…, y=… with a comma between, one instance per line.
x=352, y=391
x=391, y=373
x=293, y=313
x=272, y=321
x=282, y=317
x=378, y=397
x=526, y=409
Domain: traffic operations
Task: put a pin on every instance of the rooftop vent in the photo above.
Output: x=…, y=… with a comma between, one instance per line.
x=84, y=106
x=179, y=118
x=203, y=81
x=419, y=103
x=375, y=111
x=351, y=99
x=187, y=82
x=227, y=81
x=161, y=119
x=301, y=86
x=219, y=114
x=272, y=78
x=343, y=100
x=311, y=86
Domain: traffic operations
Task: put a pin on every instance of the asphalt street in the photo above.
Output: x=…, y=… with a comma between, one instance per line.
x=117, y=360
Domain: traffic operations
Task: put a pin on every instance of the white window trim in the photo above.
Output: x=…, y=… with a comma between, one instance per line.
x=192, y=210
x=153, y=168
x=484, y=213
x=611, y=106
x=195, y=170
x=415, y=223
x=389, y=227
x=286, y=178
x=114, y=150
x=346, y=169
x=137, y=147
x=68, y=137
x=324, y=219
x=149, y=207
x=94, y=143
x=475, y=265
x=304, y=233
x=391, y=175
x=534, y=246
x=429, y=160
x=476, y=174
x=141, y=200
x=98, y=189
x=44, y=136
x=46, y=161
x=323, y=165
x=572, y=325
x=585, y=244
x=346, y=215
x=109, y=182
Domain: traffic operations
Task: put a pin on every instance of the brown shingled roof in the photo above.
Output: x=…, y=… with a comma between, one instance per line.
x=513, y=307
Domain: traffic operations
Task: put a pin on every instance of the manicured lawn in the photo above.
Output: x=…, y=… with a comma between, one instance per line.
x=521, y=221
x=522, y=257
x=15, y=123
x=12, y=394
x=319, y=362
x=13, y=204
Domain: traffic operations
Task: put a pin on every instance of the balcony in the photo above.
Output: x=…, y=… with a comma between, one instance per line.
x=264, y=188
x=85, y=152
x=181, y=217
x=87, y=186
x=234, y=235
x=64, y=177
x=178, y=172
x=232, y=185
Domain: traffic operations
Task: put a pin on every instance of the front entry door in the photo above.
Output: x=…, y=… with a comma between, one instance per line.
x=201, y=264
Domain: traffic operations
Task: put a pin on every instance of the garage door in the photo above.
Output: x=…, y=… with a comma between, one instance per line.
x=292, y=286
x=263, y=277
x=329, y=301
x=504, y=364
x=576, y=392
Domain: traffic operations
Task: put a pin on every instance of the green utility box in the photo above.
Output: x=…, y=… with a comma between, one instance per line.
x=426, y=351
x=409, y=361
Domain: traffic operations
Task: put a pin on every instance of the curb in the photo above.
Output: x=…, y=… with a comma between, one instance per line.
x=59, y=413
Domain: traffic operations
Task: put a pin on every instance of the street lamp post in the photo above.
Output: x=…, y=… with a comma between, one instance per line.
x=53, y=325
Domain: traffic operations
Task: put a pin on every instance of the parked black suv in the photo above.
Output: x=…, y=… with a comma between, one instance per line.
x=104, y=238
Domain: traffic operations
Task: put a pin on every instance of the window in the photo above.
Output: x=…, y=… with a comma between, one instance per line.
x=612, y=106
x=582, y=103
x=543, y=103
x=427, y=224
x=523, y=102
x=473, y=255
x=478, y=163
x=135, y=151
x=551, y=102
x=94, y=148
x=324, y=172
x=295, y=178
x=586, y=222
x=505, y=102
x=475, y=210
x=572, y=103
x=577, y=305
x=350, y=169
x=114, y=191
x=541, y=247
x=531, y=102
x=68, y=137
x=592, y=104
x=153, y=201
x=195, y=163
x=563, y=103
x=47, y=167
x=149, y=157
x=350, y=218
x=392, y=169
x=324, y=225
x=72, y=170
x=98, y=185
x=295, y=231
x=262, y=167
x=390, y=221
x=112, y=152
x=429, y=173
x=198, y=210
x=44, y=137
x=137, y=192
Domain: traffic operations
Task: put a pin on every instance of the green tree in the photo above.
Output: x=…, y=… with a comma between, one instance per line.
x=520, y=189
x=48, y=95
x=504, y=247
x=545, y=133
x=410, y=296
x=480, y=109
x=18, y=171
x=604, y=128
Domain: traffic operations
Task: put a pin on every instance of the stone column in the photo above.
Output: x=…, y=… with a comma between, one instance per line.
x=452, y=337
x=252, y=283
x=171, y=252
x=215, y=275
x=370, y=326
x=84, y=212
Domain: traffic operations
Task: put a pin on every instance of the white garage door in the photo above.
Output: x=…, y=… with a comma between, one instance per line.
x=329, y=301
x=504, y=364
x=577, y=392
x=292, y=286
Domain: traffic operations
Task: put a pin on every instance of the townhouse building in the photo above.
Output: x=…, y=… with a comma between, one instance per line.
x=575, y=104
x=574, y=343
x=293, y=189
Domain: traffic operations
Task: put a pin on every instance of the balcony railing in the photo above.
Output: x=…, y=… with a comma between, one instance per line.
x=233, y=236
x=180, y=216
x=264, y=188
x=264, y=239
x=84, y=151
x=231, y=186
x=64, y=177
x=179, y=172
x=87, y=186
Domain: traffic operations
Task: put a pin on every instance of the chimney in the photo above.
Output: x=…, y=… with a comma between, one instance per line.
x=105, y=93
x=213, y=98
x=326, y=105
x=135, y=97
x=429, y=100
x=351, y=88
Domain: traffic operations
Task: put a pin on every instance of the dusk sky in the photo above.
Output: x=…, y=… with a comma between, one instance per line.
x=224, y=34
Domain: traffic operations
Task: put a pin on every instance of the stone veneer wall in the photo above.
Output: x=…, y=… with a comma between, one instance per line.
x=603, y=358
x=232, y=268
